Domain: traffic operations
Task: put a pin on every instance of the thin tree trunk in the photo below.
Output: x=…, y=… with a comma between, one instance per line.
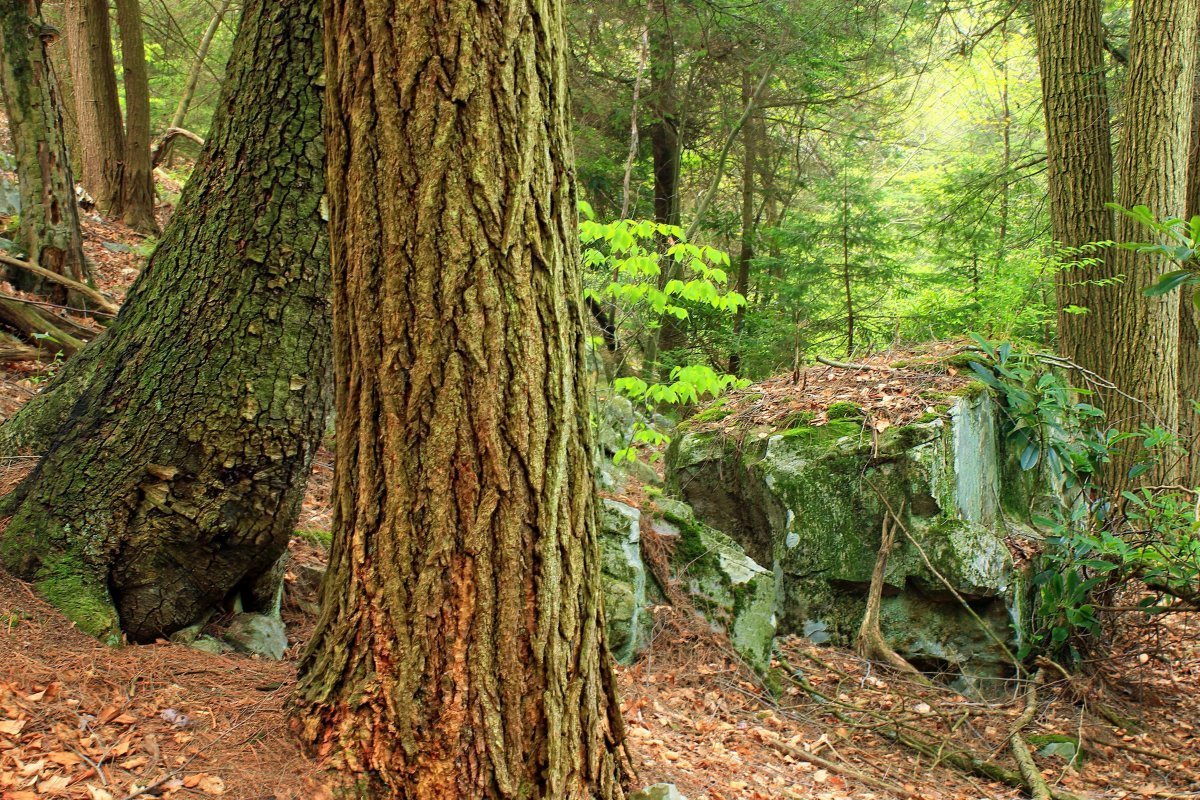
x=177, y=446
x=847, y=278
x=189, y=89
x=97, y=107
x=137, y=178
x=460, y=651
x=49, y=227
x=749, y=166
x=1142, y=333
x=665, y=151
x=1079, y=150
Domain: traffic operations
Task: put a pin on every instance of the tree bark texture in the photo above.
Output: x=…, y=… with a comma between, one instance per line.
x=1142, y=333
x=460, y=650
x=176, y=448
x=1070, y=45
x=137, y=176
x=49, y=227
x=97, y=107
x=1189, y=319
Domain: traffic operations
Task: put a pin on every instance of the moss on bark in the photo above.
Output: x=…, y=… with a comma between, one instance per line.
x=176, y=450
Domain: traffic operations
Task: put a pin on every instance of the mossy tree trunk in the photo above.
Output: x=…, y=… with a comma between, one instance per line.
x=49, y=230
x=177, y=447
x=460, y=651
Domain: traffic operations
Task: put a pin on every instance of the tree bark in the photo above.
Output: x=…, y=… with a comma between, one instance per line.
x=1070, y=49
x=1142, y=333
x=177, y=446
x=1189, y=319
x=97, y=108
x=460, y=651
x=49, y=227
x=137, y=177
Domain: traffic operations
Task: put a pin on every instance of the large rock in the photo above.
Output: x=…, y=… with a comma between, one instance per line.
x=258, y=634
x=734, y=592
x=624, y=579
x=810, y=502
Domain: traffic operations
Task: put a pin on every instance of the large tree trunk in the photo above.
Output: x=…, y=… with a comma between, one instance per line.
x=137, y=177
x=49, y=230
x=460, y=649
x=1142, y=333
x=177, y=447
x=97, y=107
x=1189, y=320
x=1079, y=149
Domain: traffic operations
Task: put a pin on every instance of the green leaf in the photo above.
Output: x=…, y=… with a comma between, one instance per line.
x=1170, y=282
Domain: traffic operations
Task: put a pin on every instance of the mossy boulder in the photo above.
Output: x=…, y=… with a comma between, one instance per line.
x=810, y=501
x=733, y=592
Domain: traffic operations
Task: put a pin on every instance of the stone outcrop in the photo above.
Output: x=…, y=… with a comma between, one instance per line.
x=810, y=502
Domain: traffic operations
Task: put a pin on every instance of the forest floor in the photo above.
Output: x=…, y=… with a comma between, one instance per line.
x=80, y=720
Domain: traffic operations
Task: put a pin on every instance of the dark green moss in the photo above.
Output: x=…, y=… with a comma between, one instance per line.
x=824, y=434
x=713, y=413
x=844, y=409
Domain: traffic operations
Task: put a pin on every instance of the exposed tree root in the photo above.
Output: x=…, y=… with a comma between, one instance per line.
x=829, y=362
x=1020, y=750
x=899, y=732
x=871, y=644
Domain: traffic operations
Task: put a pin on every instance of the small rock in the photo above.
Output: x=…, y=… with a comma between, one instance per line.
x=208, y=644
x=258, y=634
x=659, y=791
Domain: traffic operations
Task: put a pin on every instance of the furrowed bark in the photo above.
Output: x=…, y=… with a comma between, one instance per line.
x=97, y=107
x=137, y=176
x=178, y=445
x=460, y=651
x=1142, y=333
x=1070, y=40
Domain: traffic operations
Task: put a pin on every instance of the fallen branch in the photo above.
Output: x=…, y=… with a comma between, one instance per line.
x=32, y=323
x=162, y=148
x=82, y=289
x=829, y=362
x=841, y=769
x=907, y=736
